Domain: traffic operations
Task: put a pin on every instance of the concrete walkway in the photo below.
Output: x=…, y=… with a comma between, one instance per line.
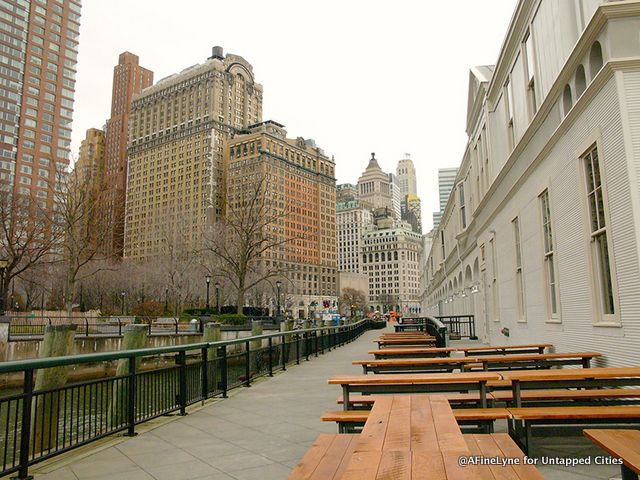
x=259, y=432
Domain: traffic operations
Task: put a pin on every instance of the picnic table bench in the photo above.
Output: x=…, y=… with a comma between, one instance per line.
x=418, y=352
x=408, y=342
x=502, y=362
x=414, y=383
x=622, y=444
x=504, y=349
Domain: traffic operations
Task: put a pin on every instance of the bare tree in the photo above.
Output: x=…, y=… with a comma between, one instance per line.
x=78, y=214
x=352, y=299
x=251, y=228
x=26, y=237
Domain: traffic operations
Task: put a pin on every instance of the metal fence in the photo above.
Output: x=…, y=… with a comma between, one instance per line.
x=38, y=424
x=21, y=327
x=460, y=326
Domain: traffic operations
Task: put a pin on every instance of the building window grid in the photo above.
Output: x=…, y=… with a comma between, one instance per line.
x=598, y=234
x=549, y=259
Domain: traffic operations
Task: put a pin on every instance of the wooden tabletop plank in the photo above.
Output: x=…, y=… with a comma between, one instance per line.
x=363, y=465
x=624, y=444
x=609, y=411
x=427, y=466
x=415, y=361
x=570, y=373
x=375, y=429
x=395, y=465
x=489, y=449
x=398, y=434
x=456, y=472
x=535, y=356
x=450, y=439
x=339, y=449
x=412, y=351
x=511, y=450
x=552, y=394
x=423, y=432
x=414, y=378
x=307, y=465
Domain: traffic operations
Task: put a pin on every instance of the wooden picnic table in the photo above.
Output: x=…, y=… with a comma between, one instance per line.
x=422, y=352
x=414, y=383
x=504, y=349
x=425, y=365
x=570, y=377
x=623, y=444
x=416, y=437
x=406, y=342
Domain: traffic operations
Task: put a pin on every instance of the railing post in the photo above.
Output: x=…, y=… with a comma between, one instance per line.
x=205, y=373
x=175, y=324
x=315, y=334
x=247, y=367
x=131, y=398
x=150, y=325
x=322, y=342
x=222, y=354
x=86, y=326
x=119, y=328
x=25, y=429
x=297, y=349
x=284, y=352
x=307, y=345
x=181, y=360
x=270, y=357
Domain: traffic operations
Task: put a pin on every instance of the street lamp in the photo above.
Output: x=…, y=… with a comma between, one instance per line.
x=122, y=294
x=208, y=279
x=278, y=286
x=217, y=298
x=3, y=266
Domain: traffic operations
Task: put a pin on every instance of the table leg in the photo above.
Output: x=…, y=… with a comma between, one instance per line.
x=483, y=394
x=586, y=362
x=345, y=397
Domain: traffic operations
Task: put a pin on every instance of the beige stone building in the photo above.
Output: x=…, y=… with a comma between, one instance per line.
x=300, y=181
x=353, y=220
x=375, y=189
x=89, y=167
x=178, y=129
x=391, y=258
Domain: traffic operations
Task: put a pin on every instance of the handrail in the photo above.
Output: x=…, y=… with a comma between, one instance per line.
x=47, y=362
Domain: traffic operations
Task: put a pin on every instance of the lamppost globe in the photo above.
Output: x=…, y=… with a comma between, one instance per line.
x=122, y=294
x=208, y=279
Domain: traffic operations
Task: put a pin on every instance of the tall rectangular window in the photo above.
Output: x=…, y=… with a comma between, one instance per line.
x=549, y=260
x=509, y=105
x=494, y=282
x=442, y=249
x=600, y=261
x=520, y=311
x=529, y=54
x=463, y=214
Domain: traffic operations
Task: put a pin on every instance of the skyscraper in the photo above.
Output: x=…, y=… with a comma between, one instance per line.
x=37, y=70
x=406, y=173
x=446, y=181
x=177, y=132
x=129, y=79
x=300, y=186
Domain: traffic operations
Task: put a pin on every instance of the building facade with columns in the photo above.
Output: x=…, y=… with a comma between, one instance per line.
x=540, y=238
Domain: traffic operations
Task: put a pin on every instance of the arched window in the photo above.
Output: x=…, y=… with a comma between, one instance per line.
x=395, y=255
x=370, y=257
x=364, y=258
x=581, y=81
x=377, y=257
x=595, y=59
x=567, y=99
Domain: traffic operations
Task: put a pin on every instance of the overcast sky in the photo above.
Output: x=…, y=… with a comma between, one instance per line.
x=357, y=76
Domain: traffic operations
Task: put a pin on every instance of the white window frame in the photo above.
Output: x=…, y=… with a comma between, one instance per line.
x=549, y=263
x=521, y=311
x=495, y=294
x=600, y=318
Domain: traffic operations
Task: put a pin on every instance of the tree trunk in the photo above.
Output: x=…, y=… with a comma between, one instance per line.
x=240, y=300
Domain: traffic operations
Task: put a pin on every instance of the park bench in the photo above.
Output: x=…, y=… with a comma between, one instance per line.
x=622, y=444
x=415, y=383
x=413, y=365
x=360, y=402
x=504, y=349
x=326, y=459
x=406, y=342
x=477, y=419
x=566, y=420
x=500, y=445
x=566, y=397
x=421, y=352
x=528, y=361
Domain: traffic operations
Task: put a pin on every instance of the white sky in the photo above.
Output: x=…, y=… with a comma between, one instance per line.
x=357, y=76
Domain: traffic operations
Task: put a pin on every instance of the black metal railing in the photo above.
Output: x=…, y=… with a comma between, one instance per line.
x=460, y=326
x=21, y=327
x=431, y=325
x=38, y=424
